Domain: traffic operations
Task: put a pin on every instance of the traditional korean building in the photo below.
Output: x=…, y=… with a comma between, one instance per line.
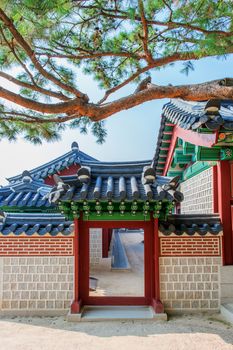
x=59, y=219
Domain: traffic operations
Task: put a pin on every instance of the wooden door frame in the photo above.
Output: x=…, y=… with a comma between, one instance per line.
x=81, y=265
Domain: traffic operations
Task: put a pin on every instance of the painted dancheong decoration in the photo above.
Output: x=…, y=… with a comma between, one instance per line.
x=181, y=199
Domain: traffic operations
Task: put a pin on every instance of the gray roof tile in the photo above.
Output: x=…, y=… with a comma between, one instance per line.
x=191, y=224
x=30, y=224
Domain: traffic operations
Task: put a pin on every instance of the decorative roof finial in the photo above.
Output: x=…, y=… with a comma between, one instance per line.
x=74, y=146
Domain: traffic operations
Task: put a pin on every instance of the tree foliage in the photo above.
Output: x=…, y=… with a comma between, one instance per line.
x=48, y=42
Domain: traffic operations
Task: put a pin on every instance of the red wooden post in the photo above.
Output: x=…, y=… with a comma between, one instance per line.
x=224, y=205
x=76, y=304
x=105, y=242
x=109, y=237
x=156, y=302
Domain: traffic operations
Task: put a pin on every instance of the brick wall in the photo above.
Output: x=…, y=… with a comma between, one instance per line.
x=95, y=246
x=32, y=285
x=198, y=193
x=189, y=283
x=24, y=246
x=190, y=246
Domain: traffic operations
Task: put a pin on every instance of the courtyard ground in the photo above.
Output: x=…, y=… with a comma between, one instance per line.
x=179, y=333
x=124, y=282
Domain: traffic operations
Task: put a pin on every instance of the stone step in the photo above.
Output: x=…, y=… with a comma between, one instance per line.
x=227, y=312
x=116, y=313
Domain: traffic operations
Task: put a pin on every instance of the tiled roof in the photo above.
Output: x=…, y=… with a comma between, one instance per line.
x=158, y=146
x=116, y=182
x=191, y=224
x=24, y=224
x=24, y=193
x=187, y=114
x=75, y=156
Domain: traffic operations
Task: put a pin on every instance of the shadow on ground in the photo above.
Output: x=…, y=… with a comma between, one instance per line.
x=180, y=332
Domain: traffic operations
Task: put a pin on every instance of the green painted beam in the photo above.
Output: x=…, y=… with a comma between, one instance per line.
x=195, y=169
x=179, y=142
x=188, y=148
x=180, y=158
x=206, y=154
x=168, y=128
x=162, y=151
x=166, y=137
x=173, y=173
x=116, y=216
x=162, y=159
x=29, y=209
x=165, y=145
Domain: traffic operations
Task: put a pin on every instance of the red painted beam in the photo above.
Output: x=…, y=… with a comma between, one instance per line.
x=71, y=170
x=193, y=137
x=171, y=151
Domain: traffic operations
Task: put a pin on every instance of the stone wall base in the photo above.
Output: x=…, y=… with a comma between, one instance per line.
x=190, y=284
x=33, y=313
x=36, y=284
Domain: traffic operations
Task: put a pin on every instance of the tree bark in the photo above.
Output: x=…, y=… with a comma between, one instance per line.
x=97, y=112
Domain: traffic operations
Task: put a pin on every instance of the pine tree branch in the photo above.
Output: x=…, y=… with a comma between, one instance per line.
x=36, y=88
x=31, y=54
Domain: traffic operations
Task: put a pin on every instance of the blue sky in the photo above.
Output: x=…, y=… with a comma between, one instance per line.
x=132, y=134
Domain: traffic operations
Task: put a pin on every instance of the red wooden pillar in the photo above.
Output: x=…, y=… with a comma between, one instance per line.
x=215, y=188
x=109, y=237
x=105, y=242
x=76, y=304
x=156, y=302
x=224, y=207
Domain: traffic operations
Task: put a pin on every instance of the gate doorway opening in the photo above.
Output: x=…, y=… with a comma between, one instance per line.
x=116, y=262
x=148, y=295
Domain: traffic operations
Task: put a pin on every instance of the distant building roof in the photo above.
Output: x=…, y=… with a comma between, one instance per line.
x=75, y=156
x=26, y=192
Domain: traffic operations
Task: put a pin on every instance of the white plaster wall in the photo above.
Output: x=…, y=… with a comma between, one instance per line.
x=198, y=194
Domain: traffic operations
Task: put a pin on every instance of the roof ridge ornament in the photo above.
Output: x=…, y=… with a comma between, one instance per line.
x=84, y=174
x=26, y=176
x=148, y=175
x=58, y=190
